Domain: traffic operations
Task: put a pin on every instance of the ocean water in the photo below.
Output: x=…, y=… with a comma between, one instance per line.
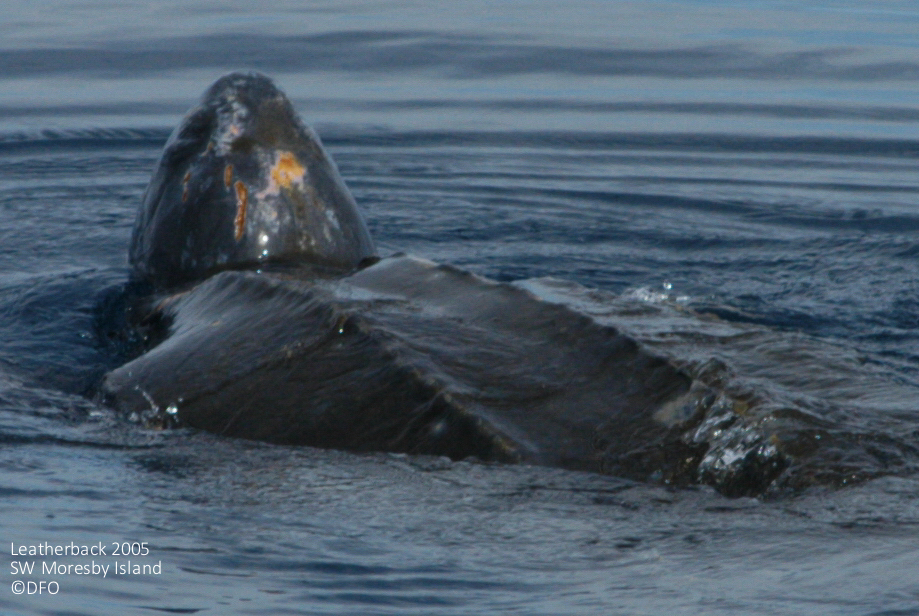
x=733, y=181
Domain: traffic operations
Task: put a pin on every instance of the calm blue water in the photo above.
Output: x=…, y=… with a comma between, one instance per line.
x=754, y=160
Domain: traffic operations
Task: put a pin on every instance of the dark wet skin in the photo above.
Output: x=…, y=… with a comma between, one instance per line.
x=275, y=322
x=243, y=181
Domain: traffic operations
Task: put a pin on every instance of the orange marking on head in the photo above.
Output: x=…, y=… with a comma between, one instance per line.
x=185, y=185
x=287, y=170
x=242, y=196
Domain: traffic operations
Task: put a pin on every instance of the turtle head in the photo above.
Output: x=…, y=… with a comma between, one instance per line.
x=243, y=181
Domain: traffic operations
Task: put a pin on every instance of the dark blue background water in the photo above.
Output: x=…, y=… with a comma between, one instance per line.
x=753, y=160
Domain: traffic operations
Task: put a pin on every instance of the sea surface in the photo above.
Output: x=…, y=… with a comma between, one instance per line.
x=738, y=180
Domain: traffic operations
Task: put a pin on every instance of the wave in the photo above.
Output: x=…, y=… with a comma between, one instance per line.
x=337, y=135
x=82, y=138
x=451, y=55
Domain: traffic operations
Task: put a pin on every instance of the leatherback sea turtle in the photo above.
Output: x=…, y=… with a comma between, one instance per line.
x=270, y=317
